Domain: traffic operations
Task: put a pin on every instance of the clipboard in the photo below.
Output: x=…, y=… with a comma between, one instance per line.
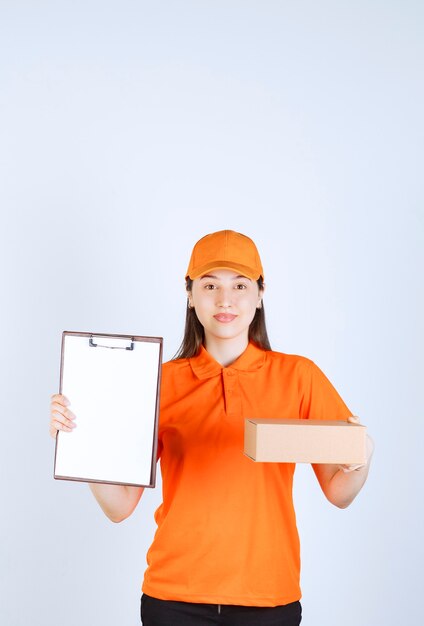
x=113, y=385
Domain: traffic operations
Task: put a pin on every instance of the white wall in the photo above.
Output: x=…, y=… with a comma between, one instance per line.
x=127, y=131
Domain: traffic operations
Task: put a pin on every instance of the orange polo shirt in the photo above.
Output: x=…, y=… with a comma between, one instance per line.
x=227, y=529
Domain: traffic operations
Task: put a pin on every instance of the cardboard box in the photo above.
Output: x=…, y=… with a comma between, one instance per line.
x=305, y=441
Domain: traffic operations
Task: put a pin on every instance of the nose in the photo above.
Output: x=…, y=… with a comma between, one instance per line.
x=224, y=299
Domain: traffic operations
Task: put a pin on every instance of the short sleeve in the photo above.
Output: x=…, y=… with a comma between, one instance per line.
x=319, y=399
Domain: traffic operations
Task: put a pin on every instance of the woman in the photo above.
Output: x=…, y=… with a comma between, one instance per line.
x=226, y=550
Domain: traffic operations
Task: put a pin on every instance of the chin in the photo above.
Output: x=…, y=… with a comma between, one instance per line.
x=228, y=333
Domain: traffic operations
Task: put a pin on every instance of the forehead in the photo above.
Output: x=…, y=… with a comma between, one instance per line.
x=222, y=274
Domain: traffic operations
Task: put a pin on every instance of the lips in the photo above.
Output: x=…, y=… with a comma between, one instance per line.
x=225, y=317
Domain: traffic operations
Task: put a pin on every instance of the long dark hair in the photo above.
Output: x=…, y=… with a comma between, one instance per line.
x=194, y=334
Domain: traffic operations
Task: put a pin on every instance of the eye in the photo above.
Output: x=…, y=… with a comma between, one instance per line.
x=209, y=286
x=241, y=286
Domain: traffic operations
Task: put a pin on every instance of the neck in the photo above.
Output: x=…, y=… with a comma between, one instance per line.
x=226, y=351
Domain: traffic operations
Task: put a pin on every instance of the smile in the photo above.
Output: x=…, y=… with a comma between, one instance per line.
x=225, y=317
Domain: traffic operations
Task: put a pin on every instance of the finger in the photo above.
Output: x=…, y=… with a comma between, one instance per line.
x=55, y=426
x=60, y=398
x=346, y=469
x=353, y=419
x=62, y=419
x=55, y=406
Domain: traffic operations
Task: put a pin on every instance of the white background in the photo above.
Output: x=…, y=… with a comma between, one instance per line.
x=127, y=131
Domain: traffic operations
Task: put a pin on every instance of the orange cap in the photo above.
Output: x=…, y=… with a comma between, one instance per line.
x=228, y=250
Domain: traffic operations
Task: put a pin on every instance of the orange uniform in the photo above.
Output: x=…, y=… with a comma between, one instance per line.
x=227, y=529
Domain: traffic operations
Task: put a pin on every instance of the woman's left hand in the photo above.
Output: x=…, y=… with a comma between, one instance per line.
x=354, y=419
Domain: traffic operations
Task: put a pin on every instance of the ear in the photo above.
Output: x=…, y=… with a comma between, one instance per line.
x=261, y=295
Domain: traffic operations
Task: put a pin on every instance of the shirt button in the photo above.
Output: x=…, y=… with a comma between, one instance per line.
x=230, y=373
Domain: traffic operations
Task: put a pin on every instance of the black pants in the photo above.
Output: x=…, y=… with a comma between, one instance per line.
x=171, y=613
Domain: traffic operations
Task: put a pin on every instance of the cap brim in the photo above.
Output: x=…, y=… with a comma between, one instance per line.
x=243, y=270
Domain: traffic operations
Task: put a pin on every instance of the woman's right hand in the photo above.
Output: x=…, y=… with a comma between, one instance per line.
x=61, y=417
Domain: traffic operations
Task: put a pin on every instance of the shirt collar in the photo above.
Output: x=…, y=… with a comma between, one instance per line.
x=204, y=365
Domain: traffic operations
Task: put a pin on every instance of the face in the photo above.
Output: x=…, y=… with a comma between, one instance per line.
x=225, y=304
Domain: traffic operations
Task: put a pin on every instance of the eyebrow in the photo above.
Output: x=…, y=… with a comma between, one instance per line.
x=216, y=277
